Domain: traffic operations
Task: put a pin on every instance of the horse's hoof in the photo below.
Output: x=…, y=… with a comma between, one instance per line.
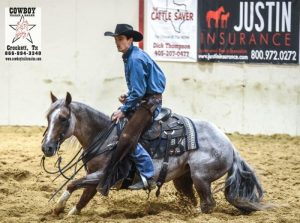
x=57, y=211
x=60, y=206
x=207, y=209
x=73, y=211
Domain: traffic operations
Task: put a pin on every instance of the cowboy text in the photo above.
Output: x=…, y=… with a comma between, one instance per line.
x=21, y=11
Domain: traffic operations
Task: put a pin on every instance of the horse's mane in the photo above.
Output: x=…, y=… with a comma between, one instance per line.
x=77, y=106
x=105, y=119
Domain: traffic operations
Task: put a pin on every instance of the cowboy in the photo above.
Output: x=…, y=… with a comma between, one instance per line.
x=146, y=83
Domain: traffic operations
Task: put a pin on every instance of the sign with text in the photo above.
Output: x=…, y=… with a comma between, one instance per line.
x=249, y=31
x=23, y=34
x=172, y=30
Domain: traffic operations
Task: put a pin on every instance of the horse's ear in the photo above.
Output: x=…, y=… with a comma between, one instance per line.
x=53, y=98
x=68, y=98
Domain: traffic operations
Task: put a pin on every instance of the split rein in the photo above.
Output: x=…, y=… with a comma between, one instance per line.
x=85, y=157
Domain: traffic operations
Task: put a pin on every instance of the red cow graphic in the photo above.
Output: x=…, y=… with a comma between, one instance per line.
x=214, y=15
x=224, y=19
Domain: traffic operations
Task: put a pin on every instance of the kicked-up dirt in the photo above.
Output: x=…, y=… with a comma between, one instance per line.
x=25, y=188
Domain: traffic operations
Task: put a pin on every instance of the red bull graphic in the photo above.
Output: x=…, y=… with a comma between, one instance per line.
x=214, y=16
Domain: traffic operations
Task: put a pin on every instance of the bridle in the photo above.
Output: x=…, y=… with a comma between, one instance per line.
x=61, y=170
x=65, y=127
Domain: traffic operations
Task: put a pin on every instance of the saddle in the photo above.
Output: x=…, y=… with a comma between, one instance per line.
x=169, y=130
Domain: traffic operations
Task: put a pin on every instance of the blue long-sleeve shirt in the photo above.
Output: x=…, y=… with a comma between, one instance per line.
x=143, y=76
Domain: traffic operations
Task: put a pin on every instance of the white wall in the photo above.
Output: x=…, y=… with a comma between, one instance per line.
x=76, y=57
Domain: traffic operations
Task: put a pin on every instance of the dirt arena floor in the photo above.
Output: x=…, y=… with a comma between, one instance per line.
x=25, y=188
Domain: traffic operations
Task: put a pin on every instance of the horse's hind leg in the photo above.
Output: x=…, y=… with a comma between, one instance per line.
x=184, y=185
x=203, y=187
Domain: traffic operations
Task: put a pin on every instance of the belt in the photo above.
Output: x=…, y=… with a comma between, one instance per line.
x=154, y=95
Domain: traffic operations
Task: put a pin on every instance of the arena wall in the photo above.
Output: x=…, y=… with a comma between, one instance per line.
x=76, y=57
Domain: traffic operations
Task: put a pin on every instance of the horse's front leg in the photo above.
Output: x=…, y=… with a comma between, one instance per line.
x=62, y=201
x=89, y=182
x=88, y=193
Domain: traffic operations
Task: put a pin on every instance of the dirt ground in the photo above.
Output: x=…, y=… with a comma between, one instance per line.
x=25, y=188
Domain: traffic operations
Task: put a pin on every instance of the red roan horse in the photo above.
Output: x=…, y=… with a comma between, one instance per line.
x=215, y=157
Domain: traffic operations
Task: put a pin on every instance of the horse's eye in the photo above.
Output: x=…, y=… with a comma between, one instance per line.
x=62, y=119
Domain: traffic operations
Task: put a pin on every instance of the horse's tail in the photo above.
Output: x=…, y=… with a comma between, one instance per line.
x=242, y=188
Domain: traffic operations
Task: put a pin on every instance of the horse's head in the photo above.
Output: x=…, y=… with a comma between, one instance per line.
x=60, y=124
x=222, y=10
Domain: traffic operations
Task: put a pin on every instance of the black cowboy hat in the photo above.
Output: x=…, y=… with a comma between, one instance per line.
x=127, y=30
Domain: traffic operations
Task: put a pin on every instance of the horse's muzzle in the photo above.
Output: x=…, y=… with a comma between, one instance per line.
x=49, y=149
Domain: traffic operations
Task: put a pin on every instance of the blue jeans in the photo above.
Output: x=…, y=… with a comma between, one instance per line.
x=142, y=161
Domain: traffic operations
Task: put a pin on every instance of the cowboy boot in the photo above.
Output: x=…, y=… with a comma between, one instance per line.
x=146, y=184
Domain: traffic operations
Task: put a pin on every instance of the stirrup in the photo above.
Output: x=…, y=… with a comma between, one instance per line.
x=145, y=181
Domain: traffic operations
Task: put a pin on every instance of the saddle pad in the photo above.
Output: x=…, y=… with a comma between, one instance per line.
x=192, y=140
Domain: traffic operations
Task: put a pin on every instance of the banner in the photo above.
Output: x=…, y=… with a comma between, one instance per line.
x=248, y=31
x=172, y=30
x=23, y=34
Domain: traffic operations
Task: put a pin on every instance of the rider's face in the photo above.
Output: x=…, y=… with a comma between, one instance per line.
x=123, y=43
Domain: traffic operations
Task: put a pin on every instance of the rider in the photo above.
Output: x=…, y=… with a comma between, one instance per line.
x=146, y=83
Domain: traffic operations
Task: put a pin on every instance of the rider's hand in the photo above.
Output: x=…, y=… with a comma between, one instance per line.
x=122, y=98
x=117, y=115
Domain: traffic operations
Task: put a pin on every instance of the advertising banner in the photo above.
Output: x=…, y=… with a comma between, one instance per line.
x=172, y=30
x=23, y=34
x=248, y=31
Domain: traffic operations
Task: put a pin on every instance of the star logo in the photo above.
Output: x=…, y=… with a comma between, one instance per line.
x=22, y=30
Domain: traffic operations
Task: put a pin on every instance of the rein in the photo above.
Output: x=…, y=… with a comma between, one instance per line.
x=85, y=157
x=58, y=163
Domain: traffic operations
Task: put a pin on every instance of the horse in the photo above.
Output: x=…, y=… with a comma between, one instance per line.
x=224, y=19
x=215, y=157
x=215, y=15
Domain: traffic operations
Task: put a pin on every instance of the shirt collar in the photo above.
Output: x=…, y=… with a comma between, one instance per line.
x=127, y=53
